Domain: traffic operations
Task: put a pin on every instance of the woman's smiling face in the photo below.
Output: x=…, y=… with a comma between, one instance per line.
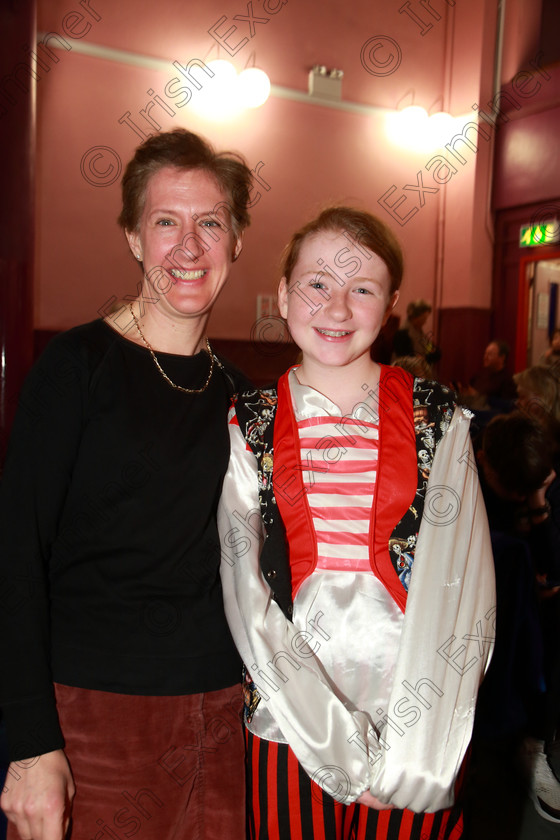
x=185, y=241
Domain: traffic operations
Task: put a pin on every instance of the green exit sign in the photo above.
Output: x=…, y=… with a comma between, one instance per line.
x=531, y=235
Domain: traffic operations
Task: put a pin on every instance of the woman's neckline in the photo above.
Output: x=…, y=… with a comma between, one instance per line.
x=131, y=343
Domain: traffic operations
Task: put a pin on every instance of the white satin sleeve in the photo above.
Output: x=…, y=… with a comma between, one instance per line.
x=321, y=731
x=447, y=636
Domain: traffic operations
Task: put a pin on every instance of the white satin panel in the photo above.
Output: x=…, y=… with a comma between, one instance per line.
x=359, y=662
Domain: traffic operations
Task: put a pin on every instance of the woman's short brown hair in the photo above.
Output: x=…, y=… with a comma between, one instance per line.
x=543, y=389
x=366, y=230
x=519, y=451
x=184, y=150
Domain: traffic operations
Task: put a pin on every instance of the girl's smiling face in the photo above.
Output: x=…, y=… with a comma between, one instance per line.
x=336, y=301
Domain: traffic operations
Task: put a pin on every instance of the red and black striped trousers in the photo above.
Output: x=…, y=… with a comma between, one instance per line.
x=285, y=804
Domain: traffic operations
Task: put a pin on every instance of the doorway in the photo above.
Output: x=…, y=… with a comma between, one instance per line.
x=538, y=311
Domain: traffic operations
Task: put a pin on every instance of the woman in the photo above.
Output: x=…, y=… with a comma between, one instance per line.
x=120, y=678
x=538, y=390
x=538, y=394
x=364, y=642
x=411, y=340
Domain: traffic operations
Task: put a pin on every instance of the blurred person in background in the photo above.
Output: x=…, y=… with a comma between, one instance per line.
x=552, y=355
x=411, y=340
x=520, y=476
x=493, y=386
x=538, y=394
x=416, y=365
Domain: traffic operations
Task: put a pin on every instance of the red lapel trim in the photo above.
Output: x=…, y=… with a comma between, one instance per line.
x=397, y=476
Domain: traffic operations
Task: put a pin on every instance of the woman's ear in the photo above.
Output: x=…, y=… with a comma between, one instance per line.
x=283, y=297
x=134, y=243
x=237, y=247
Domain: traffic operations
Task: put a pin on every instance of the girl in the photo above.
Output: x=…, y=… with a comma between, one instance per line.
x=356, y=563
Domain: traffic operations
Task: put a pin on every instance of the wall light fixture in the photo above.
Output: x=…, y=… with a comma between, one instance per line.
x=226, y=94
x=413, y=128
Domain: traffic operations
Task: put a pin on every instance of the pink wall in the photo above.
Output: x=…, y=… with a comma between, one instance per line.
x=528, y=154
x=311, y=155
x=521, y=34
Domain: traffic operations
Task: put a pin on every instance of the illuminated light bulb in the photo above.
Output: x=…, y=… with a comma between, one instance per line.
x=440, y=129
x=413, y=119
x=392, y=127
x=407, y=128
x=253, y=87
x=413, y=129
x=217, y=99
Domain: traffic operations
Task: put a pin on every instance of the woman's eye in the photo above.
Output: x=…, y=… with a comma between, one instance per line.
x=210, y=223
x=164, y=222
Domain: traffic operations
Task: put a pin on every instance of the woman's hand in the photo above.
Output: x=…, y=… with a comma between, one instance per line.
x=38, y=800
x=372, y=802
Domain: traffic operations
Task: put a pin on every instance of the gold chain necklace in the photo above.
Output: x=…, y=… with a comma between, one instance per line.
x=161, y=370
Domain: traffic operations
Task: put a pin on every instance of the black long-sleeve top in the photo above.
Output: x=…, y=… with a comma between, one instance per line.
x=109, y=552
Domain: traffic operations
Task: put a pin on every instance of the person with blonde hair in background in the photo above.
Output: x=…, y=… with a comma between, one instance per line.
x=538, y=392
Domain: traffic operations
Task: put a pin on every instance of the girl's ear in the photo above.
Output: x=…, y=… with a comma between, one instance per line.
x=283, y=297
x=390, y=306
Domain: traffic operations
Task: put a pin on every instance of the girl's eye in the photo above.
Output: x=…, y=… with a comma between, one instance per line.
x=363, y=291
x=316, y=284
